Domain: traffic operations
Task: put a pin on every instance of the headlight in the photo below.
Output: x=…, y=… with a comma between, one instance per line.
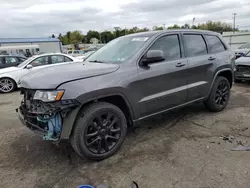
x=48, y=96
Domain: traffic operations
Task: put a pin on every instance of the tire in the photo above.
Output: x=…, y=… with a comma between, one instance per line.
x=7, y=85
x=219, y=95
x=99, y=131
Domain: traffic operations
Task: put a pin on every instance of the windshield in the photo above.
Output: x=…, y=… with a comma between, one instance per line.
x=247, y=45
x=118, y=50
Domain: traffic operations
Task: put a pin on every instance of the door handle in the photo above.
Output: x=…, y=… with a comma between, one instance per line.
x=211, y=58
x=180, y=65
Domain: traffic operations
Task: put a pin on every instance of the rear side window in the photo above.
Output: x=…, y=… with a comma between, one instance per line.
x=169, y=45
x=215, y=44
x=66, y=59
x=195, y=45
x=57, y=59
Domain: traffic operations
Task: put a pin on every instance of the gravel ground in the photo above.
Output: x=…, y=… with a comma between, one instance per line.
x=180, y=149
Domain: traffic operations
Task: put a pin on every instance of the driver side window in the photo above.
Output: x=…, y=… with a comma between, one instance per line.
x=44, y=60
x=170, y=45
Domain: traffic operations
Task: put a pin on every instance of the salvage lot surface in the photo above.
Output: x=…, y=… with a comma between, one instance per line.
x=179, y=149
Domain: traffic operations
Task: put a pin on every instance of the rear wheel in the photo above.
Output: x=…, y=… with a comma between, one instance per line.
x=7, y=85
x=99, y=131
x=219, y=95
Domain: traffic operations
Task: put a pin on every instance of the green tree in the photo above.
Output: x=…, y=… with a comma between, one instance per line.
x=68, y=40
x=216, y=26
x=175, y=26
x=185, y=26
x=92, y=34
x=53, y=36
x=107, y=36
x=155, y=28
x=76, y=37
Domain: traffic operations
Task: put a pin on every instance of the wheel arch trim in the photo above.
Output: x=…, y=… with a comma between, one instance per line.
x=216, y=75
x=69, y=120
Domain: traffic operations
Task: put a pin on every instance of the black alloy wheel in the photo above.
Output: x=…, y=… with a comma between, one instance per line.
x=99, y=131
x=221, y=96
x=103, y=132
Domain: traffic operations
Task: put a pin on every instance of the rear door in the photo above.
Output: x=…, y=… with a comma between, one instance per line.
x=217, y=47
x=162, y=85
x=37, y=63
x=200, y=63
x=56, y=59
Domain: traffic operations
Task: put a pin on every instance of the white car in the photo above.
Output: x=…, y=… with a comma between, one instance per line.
x=75, y=53
x=243, y=50
x=85, y=55
x=10, y=76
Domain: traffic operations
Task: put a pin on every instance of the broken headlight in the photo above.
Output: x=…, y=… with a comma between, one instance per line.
x=48, y=96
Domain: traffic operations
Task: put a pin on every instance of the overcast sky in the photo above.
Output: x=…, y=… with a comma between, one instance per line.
x=41, y=18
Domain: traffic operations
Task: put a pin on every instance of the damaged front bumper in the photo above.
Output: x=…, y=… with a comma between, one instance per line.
x=242, y=72
x=44, y=118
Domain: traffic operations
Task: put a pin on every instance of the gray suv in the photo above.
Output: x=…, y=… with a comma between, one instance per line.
x=131, y=78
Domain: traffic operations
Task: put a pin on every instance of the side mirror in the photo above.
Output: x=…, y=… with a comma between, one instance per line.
x=153, y=56
x=29, y=67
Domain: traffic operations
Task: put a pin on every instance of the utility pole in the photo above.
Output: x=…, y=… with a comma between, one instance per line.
x=234, y=15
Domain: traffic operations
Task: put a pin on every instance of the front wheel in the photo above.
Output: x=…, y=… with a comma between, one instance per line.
x=7, y=85
x=219, y=95
x=99, y=131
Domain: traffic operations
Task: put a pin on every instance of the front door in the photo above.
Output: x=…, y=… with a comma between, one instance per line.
x=163, y=85
x=37, y=63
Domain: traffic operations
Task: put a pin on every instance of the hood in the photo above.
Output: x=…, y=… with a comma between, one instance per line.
x=244, y=50
x=243, y=61
x=8, y=69
x=51, y=77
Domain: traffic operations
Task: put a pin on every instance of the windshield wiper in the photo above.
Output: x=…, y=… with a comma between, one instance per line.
x=96, y=61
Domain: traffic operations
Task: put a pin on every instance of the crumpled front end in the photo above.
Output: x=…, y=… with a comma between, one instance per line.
x=242, y=72
x=44, y=118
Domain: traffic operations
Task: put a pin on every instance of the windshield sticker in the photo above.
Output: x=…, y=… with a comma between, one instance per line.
x=140, y=39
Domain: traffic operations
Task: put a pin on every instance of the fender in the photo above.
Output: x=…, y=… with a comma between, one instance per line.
x=215, y=76
x=70, y=118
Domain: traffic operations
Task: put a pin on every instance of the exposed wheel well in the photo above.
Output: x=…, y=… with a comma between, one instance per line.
x=118, y=101
x=228, y=75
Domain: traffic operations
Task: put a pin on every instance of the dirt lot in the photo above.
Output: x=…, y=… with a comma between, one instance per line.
x=178, y=149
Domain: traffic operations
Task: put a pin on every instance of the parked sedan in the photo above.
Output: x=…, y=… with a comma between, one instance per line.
x=75, y=53
x=85, y=55
x=242, y=66
x=10, y=76
x=10, y=60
